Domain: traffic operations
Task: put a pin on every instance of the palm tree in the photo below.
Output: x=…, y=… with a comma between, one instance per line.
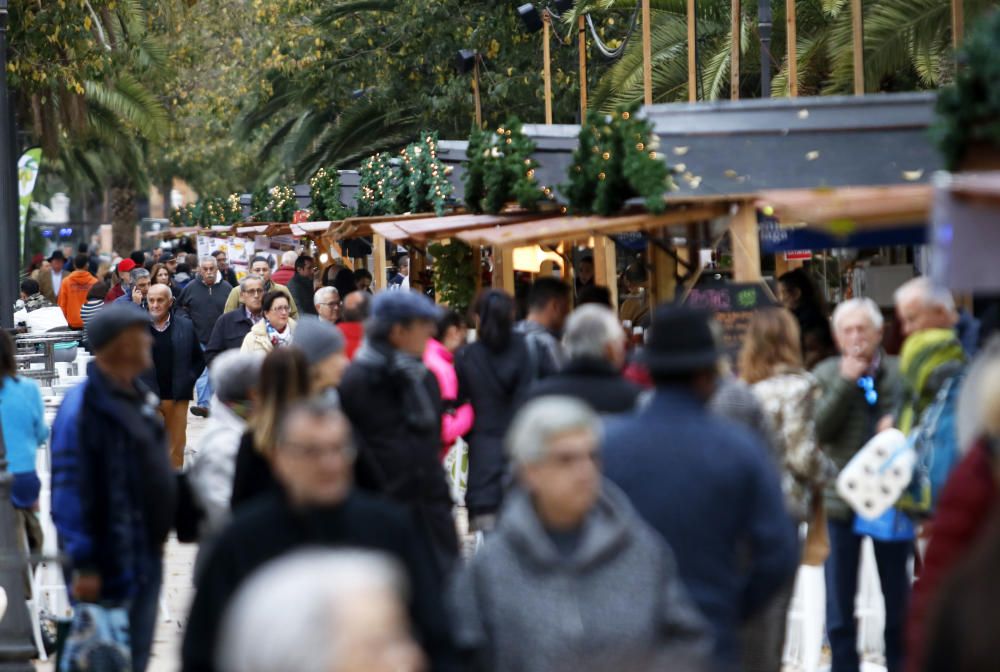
x=907, y=46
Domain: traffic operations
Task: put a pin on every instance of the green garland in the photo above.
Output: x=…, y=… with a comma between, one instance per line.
x=184, y=216
x=454, y=274
x=416, y=182
x=615, y=161
x=500, y=169
x=324, y=192
x=968, y=110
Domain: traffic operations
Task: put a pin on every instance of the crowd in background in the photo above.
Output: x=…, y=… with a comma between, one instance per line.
x=635, y=506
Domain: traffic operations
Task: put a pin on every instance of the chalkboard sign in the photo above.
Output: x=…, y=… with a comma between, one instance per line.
x=733, y=306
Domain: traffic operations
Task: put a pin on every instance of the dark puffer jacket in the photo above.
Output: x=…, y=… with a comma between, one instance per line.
x=495, y=383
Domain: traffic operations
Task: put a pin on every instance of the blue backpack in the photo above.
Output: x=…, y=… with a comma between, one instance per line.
x=935, y=440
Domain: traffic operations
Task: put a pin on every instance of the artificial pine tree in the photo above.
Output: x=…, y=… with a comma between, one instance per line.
x=324, y=192
x=378, y=188
x=500, y=170
x=615, y=161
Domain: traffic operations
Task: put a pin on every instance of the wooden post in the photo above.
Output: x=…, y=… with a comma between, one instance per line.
x=378, y=261
x=606, y=266
x=793, y=50
x=663, y=276
x=957, y=23
x=475, y=93
x=503, y=269
x=746, y=244
x=857, y=38
x=547, y=72
x=647, y=54
x=692, y=53
x=582, y=30
x=734, y=54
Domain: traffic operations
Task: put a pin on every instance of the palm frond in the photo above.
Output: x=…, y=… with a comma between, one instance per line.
x=128, y=98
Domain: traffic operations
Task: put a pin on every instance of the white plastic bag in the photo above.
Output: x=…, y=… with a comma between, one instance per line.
x=456, y=467
x=875, y=478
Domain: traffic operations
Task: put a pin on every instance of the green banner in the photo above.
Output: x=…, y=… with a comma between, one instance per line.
x=27, y=175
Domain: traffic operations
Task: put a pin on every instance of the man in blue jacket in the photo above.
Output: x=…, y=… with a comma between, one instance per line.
x=113, y=491
x=707, y=485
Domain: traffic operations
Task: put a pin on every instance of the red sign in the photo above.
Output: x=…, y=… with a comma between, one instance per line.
x=798, y=255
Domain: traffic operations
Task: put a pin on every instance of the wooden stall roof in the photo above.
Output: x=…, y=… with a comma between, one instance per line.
x=977, y=186
x=856, y=207
x=251, y=230
x=436, y=228
x=552, y=230
x=357, y=227
x=174, y=232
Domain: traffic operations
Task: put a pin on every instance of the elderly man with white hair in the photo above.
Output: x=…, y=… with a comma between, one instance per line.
x=859, y=390
x=572, y=578
x=594, y=344
x=327, y=302
x=322, y=611
x=204, y=302
x=921, y=305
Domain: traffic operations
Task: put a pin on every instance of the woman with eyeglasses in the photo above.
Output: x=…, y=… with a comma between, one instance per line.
x=277, y=328
x=771, y=363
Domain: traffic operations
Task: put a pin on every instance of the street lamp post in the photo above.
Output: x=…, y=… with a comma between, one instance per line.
x=16, y=647
x=9, y=230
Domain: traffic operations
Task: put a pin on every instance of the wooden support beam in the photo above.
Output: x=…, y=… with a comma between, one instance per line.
x=858, y=42
x=475, y=94
x=736, y=36
x=378, y=261
x=692, y=53
x=606, y=266
x=792, y=48
x=503, y=269
x=647, y=53
x=582, y=31
x=547, y=58
x=746, y=244
x=957, y=23
x=663, y=276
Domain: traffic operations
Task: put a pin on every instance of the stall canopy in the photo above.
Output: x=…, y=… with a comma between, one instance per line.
x=850, y=209
x=434, y=228
x=575, y=228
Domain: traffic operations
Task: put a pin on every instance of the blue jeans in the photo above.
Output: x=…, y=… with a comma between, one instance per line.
x=143, y=611
x=203, y=387
x=842, y=586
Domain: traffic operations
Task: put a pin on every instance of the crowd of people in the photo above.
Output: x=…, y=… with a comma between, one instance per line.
x=634, y=506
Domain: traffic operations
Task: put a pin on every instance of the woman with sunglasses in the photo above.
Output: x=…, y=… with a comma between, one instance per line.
x=277, y=328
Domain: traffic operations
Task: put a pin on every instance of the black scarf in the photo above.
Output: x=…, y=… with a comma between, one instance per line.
x=419, y=410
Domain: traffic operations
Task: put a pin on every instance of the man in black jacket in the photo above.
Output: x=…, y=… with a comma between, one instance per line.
x=595, y=345
x=301, y=284
x=177, y=363
x=232, y=327
x=313, y=459
x=394, y=405
x=225, y=270
x=204, y=302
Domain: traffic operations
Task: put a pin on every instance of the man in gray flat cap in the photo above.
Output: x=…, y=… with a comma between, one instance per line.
x=113, y=489
x=394, y=405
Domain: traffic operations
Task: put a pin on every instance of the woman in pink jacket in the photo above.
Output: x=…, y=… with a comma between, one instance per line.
x=439, y=357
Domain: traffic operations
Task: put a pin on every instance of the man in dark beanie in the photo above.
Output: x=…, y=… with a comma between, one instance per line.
x=707, y=485
x=113, y=489
x=394, y=405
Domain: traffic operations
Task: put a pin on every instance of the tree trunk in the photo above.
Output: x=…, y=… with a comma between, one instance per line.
x=124, y=218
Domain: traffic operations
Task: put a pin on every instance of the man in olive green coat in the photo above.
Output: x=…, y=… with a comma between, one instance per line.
x=860, y=389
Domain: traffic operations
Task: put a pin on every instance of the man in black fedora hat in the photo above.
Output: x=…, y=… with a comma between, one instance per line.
x=50, y=281
x=707, y=485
